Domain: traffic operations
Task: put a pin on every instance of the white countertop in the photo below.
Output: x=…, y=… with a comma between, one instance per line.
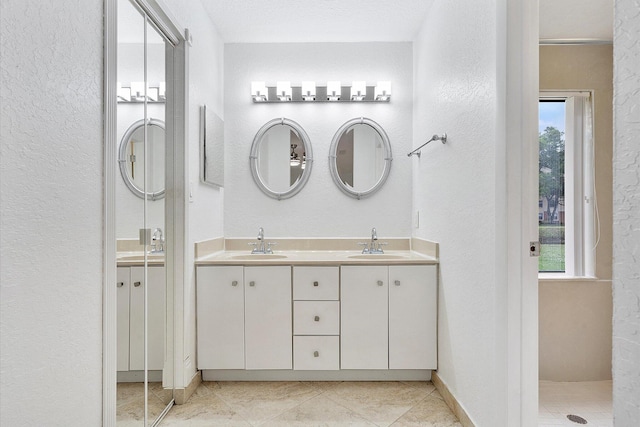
x=315, y=258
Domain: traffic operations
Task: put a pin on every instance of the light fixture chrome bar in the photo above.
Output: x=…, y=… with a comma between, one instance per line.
x=442, y=138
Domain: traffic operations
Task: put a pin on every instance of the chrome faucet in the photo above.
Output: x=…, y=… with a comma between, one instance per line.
x=259, y=246
x=157, y=241
x=374, y=247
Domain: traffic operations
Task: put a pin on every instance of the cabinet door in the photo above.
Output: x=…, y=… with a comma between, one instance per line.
x=364, y=317
x=122, y=328
x=156, y=311
x=412, y=317
x=268, y=339
x=220, y=308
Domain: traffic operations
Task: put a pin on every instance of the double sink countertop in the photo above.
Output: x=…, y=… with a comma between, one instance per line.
x=299, y=251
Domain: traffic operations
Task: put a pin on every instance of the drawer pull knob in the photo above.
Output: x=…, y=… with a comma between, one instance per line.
x=397, y=282
x=234, y=283
x=315, y=284
x=252, y=283
x=380, y=283
x=316, y=354
x=120, y=284
x=317, y=318
x=136, y=284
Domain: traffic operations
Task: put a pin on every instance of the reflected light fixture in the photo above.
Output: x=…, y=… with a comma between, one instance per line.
x=309, y=91
x=259, y=92
x=137, y=91
x=383, y=91
x=358, y=90
x=124, y=93
x=333, y=91
x=283, y=90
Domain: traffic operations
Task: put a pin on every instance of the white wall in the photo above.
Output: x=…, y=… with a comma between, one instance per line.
x=626, y=217
x=320, y=209
x=205, y=219
x=455, y=69
x=51, y=226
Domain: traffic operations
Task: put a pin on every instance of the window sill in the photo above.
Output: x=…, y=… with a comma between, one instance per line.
x=555, y=277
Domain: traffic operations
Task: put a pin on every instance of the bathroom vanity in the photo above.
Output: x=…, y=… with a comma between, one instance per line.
x=130, y=291
x=317, y=314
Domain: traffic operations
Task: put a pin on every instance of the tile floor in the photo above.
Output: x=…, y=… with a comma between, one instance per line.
x=293, y=403
x=591, y=400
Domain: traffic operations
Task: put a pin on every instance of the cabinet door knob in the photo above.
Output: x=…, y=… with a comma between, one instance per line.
x=137, y=284
x=234, y=283
x=120, y=284
x=252, y=283
x=397, y=282
x=315, y=284
x=316, y=354
x=380, y=283
x=317, y=318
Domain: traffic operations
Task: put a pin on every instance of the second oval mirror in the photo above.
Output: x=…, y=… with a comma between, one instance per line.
x=360, y=157
x=281, y=158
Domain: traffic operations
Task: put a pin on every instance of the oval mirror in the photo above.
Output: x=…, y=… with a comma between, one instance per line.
x=281, y=158
x=131, y=159
x=360, y=157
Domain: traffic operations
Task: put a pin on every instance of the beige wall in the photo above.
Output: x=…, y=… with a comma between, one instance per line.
x=575, y=316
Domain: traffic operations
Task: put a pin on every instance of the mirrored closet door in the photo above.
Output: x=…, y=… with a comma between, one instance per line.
x=144, y=347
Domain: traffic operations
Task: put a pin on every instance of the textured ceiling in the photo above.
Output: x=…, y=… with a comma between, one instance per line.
x=281, y=21
x=569, y=19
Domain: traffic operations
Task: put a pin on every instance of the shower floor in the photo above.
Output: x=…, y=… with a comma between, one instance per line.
x=590, y=400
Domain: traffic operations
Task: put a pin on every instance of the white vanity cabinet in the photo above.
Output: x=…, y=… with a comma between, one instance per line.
x=316, y=318
x=244, y=317
x=220, y=307
x=131, y=289
x=413, y=306
x=364, y=333
x=388, y=317
x=267, y=318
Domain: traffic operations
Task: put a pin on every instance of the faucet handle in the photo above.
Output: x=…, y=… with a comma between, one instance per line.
x=269, y=244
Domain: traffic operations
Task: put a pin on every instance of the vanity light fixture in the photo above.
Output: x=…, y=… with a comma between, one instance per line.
x=124, y=93
x=383, y=91
x=309, y=91
x=259, y=92
x=137, y=91
x=283, y=90
x=358, y=90
x=334, y=90
x=162, y=91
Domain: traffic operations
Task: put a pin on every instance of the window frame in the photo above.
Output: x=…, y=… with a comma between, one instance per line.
x=579, y=198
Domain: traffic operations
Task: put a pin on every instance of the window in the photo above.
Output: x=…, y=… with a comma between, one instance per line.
x=566, y=203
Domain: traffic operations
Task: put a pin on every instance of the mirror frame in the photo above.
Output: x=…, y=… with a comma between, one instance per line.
x=333, y=154
x=253, y=159
x=122, y=158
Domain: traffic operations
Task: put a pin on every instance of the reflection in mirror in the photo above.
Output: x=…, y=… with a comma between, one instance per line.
x=360, y=157
x=211, y=148
x=131, y=155
x=281, y=158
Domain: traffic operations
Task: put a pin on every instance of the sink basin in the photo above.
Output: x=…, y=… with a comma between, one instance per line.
x=150, y=257
x=377, y=256
x=259, y=256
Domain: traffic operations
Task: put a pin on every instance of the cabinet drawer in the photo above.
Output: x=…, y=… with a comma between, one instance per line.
x=316, y=353
x=316, y=283
x=316, y=317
